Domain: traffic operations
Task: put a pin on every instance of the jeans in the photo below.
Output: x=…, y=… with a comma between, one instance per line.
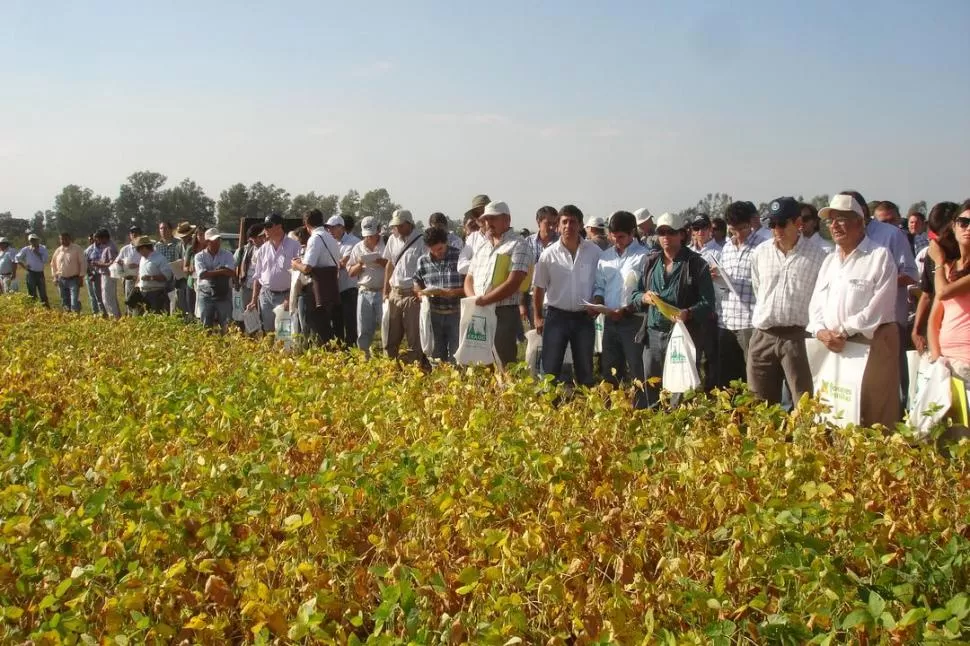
x=623, y=355
x=70, y=289
x=507, y=325
x=93, y=282
x=129, y=287
x=267, y=301
x=369, y=311
x=576, y=329
x=445, y=327
x=109, y=296
x=215, y=311
x=182, y=295
x=733, y=355
x=656, y=354
x=156, y=301
x=345, y=319
x=37, y=286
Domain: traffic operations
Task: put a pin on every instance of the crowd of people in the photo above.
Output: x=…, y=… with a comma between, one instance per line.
x=750, y=288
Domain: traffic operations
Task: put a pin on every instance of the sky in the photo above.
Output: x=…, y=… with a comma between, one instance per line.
x=609, y=105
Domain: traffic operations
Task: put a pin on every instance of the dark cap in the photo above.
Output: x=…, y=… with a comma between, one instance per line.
x=254, y=230
x=700, y=222
x=136, y=230
x=273, y=219
x=102, y=233
x=783, y=209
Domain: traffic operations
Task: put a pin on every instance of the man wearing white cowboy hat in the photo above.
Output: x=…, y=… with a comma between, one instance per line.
x=128, y=260
x=33, y=258
x=366, y=265
x=8, y=266
x=403, y=249
x=154, y=275
x=215, y=268
x=647, y=229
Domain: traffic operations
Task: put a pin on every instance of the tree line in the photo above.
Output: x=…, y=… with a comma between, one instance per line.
x=145, y=199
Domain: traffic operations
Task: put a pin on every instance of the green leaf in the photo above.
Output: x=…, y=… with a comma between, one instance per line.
x=95, y=503
x=468, y=575
x=912, y=616
x=959, y=606
x=876, y=604
x=63, y=587
x=856, y=617
x=47, y=602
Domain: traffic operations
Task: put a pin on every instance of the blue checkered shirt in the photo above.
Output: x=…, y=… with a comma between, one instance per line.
x=442, y=274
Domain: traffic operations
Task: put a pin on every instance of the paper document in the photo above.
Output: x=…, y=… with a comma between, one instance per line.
x=177, y=270
x=722, y=279
x=599, y=309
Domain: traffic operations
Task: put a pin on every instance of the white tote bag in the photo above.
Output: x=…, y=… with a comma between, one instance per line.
x=533, y=353
x=932, y=398
x=385, y=324
x=252, y=321
x=598, y=325
x=837, y=378
x=476, y=333
x=680, y=362
x=425, y=328
x=284, y=326
x=237, y=305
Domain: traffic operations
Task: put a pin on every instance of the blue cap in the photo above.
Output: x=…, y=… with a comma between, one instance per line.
x=783, y=209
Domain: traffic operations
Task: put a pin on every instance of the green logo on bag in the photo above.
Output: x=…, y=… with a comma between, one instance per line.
x=676, y=356
x=476, y=329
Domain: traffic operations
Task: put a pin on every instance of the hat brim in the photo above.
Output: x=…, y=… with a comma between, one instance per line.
x=826, y=213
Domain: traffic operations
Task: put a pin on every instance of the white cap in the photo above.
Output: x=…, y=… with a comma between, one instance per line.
x=400, y=217
x=496, y=208
x=596, y=223
x=842, y=203
x=369, y=226
x=642, y=215
x=335, y=221
x=33, y=236
x=671, y=220
x=213, y=234
x=4, y=240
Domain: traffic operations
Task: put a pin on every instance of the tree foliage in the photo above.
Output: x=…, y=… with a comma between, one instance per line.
x=350, y=203
x=378, y=204
x=140, y=201
x=187, y=202
x=80, y=212
x=307, y=201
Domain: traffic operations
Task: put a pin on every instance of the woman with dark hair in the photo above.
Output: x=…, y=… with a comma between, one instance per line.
x=940, y=223
x=949, y=326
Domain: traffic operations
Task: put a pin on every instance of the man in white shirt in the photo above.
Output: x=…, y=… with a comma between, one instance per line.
x=321, y=261
x=617, y=273
x=271, y=264
x=810, y=228
x=647, y=228
x=403, y=249
x=702, y=237
x=783, y=273
x=33, y=258
x=345, y=327
x=8, y=266
x=562, y=287
x=366, y=264
x=855, y=299
x=215, y=268
x=498, y=275
x=475, y=238
x=129, y=260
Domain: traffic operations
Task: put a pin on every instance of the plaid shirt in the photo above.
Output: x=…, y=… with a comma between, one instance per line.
x=482, y=269
x=783, y=283
x=171, y=250
x=442, y=274
x=734, y=311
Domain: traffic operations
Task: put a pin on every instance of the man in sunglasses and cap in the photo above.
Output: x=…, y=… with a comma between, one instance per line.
x=271, y=263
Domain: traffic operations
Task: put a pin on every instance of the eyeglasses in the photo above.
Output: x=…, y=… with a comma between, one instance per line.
x=963, y=223
x=772, y=224
x=844, y=219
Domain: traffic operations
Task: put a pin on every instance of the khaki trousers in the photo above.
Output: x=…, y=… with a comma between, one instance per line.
x=404, y=322
x=775, y=354
x=880, y=382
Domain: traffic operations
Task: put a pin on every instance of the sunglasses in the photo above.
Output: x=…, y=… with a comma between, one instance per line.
x=963, y=223
x=772, y=224
x=664, y=231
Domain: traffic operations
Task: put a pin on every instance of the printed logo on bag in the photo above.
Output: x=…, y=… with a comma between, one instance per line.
x=836, y=392
x=676, y=356
x=477, y=329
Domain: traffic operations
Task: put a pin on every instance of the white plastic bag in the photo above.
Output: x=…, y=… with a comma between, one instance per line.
x=533, y=353
x=680, y=362
x=284, y=326
x=837, y=378
x=932, y=394
x=173, y=299
x=476, y=333
x=598, y=325
x=425, y=328
x=385, y=324
x=237, y=305
x=912, y=365
x=252, y=321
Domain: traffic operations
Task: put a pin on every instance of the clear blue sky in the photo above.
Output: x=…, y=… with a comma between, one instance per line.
x=607, y=105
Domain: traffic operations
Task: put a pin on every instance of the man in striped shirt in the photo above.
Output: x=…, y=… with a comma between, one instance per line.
x=783, y=273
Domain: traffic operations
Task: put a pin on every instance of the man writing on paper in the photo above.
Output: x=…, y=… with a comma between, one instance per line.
x=404, y=248
x=855, y=300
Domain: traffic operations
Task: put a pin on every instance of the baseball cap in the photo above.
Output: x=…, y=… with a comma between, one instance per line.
x=596, y=223
x=783, y=209
x=4, y=240
x=700, y=222
x=273, y=219
x=670, y=220
x=493, y=209
x=335, y=221
x=842, y=203
x=213, y=234
x=401, y=216
x=369, y=226
x=642, y=215
x=135, y=230
x=33, y=236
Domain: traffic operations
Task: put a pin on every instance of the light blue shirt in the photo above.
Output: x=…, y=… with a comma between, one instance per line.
x=35, y=260
x=893, y=239
x=153, y=265
x=612, y=270
x=7, y=261
x=205, y=261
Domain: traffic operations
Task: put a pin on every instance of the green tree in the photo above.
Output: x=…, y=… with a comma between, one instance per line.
x=918, y=207
x=140, y=202
x=233, y=205
x=378, y=204
x=266, y=199
x=714, y=204
x=350, y=203
x=307, y=201
x=187, y=202
x=80, y=212
x=13, y=228
x=820, y=201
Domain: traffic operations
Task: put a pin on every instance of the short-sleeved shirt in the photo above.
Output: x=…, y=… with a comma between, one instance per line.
x=271, y=264
x=171, y=250
x=735, y=308
x=372, y=275
x=8, y=260
x=896, y=242
x=442, y=274
x=34, y=259
x=403, y=254
x=616, y=274
x=153, y=265
x=568, y=280
x=346, y=244
x=322, y=249
x=218, y=286
x=107, y=254
x=128, y=256
x=483, y=264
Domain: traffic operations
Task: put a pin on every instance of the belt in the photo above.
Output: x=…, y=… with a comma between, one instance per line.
x=781, y=330
x=69, y=277
x=278, y=291
x=444, y=312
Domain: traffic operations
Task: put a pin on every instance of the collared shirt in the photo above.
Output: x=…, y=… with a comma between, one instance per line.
x=617, y=273
x=920, y=241
x=455, y=241
x=735, y=310
x=372, y=275
x=346, y=244
x=783, y=283
x=896, y=242
x=322, y=249
x=538, y=246
x=244, y=257
x=107, y=255
x=205, y=261
x=442, y=274
x=33, y=259
x=568, y=280
x=758, y=236
x=8, y=260
x=492, y=264
x=92, y=253
x=857, y=294
x=474, y=240
x=128, y=256
x=153, y=265
x=403, y=254
x=271, y=264
x=69, y=262
x=818, y=240
x=171, y=250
